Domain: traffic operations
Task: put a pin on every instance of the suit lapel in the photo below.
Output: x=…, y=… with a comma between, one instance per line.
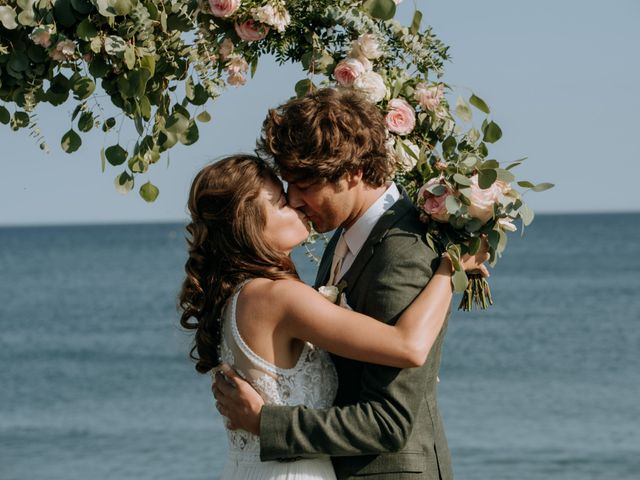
x=388, y=219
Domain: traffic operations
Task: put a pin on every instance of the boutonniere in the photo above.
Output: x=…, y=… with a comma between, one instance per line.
x=333, y=293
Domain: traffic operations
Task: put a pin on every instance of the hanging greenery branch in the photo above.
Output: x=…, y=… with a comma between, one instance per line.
x=147, y=54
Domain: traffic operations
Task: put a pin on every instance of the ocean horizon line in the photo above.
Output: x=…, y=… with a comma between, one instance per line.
x=184, y=221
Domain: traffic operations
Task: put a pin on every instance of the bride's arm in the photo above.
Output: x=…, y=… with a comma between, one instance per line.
x=309, y=316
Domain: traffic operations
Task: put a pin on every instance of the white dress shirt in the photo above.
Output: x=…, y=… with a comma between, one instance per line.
x=358, y=233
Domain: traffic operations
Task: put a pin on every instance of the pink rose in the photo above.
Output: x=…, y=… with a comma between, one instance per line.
x=401, y=118
x=348, y=70
x=429, y=97
x=483, y=200
x=251, y=31
x=65, y=50
x=226, y=49
x=224, y=8
x=42, y=37
x=432, y=205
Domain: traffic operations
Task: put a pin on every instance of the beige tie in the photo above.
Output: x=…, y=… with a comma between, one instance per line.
x=338, y=256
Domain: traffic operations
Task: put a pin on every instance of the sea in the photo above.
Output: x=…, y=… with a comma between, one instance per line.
x=96, y=383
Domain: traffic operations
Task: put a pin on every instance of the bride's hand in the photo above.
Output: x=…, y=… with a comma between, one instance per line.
x=474, y=263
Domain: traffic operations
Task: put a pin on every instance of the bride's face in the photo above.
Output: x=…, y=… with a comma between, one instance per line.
x=286, y=227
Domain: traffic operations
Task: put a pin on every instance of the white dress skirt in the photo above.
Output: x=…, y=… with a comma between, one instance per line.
x=312, y=382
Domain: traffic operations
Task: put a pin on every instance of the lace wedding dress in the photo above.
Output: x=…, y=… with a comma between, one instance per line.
x=312, y=382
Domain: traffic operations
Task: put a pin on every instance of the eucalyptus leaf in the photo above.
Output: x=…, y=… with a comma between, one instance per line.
x=463, y=110
x=123, y=183
x=177, y=123
x=70, y=141
x=526, y=214
x=452, y=204
x=83, y=88
x=505, y=175
x=380, y=9
x=492, y=132
x=479, y=104
x=204, y=117
x=86, y=30
x=303, y=87
x=459, y=281
x=190, y=135
x=5, y=116
x=149, y=192
x=461, y=179
x=103, y=160
x=525, y=184
x=116, y=155
x=21, y=119
x=486, y=178
x=415, y=23
x=8, y=17
x=541, y=187
x=130, y=56
x=85, y=122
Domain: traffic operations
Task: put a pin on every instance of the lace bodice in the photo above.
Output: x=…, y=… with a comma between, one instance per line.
x=312, y=382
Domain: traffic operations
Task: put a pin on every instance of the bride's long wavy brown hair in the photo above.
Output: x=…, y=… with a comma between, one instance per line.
x=226, y=247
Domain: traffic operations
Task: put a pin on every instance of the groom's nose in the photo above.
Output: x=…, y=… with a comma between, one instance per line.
x=293, y=197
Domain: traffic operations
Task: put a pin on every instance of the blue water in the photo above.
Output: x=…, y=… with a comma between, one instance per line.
x=95, y=382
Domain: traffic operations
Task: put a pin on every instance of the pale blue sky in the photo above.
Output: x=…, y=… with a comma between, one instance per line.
x=562, y=79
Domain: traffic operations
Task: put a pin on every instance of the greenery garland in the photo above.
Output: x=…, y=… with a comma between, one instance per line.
x=160, y=62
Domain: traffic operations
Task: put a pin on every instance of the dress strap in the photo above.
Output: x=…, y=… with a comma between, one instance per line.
x=250, y=354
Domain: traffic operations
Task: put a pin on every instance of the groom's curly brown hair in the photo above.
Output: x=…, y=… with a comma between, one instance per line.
x=326, y=134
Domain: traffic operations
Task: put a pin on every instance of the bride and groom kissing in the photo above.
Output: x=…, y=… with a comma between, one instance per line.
x=292, y=410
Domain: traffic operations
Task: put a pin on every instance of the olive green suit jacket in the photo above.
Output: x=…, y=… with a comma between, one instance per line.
x=385, y=421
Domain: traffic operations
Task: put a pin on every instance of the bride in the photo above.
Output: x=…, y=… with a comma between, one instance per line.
x=252, y=312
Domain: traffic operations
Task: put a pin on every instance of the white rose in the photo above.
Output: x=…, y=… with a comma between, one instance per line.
x=372, y=86
x=507, y=224
x=329, y=292
x=369, y=46
x=406, y=160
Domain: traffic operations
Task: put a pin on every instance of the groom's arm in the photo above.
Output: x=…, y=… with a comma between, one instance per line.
x=382, y=419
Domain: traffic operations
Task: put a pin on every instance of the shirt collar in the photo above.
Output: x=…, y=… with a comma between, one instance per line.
x=358, y=233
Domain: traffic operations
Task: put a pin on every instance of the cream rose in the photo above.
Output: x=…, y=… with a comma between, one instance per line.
x=224, y=8
x=482, y=200
x=251, y=31
x=372, y=86
x=348, y=70
x=429, y=97
x=368, y=46
x=406, y=160
x=401, y=117
x=276, y=16
x=506, y=224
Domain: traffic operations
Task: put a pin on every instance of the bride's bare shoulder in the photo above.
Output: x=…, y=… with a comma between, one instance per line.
x=265, y=295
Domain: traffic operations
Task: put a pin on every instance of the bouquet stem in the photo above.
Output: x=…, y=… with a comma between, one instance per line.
x=477, y=292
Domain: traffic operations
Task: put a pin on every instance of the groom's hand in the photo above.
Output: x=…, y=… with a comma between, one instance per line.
x=237, y=400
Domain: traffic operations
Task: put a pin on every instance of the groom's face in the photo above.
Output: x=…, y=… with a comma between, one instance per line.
x=327, y=204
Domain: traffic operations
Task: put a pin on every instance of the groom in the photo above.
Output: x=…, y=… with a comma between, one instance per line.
x=385, y=423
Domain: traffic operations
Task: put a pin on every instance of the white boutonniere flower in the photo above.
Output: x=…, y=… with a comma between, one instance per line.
x=335, y=294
